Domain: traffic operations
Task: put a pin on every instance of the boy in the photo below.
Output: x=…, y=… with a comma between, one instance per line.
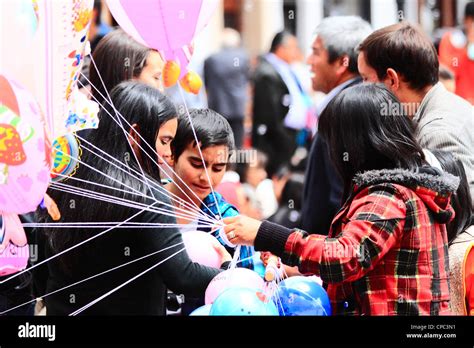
x=216, y=142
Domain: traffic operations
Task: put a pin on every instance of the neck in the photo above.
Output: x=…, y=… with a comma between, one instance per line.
x=412, y=97
x=345, y=77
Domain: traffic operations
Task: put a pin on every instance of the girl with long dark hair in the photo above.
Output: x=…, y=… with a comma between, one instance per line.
x=145, y=110
x=387, y=249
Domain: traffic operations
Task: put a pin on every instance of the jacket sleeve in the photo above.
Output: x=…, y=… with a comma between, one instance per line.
x=372, y=227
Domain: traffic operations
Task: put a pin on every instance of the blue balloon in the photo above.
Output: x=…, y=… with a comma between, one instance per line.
x=243, y=301
x=258, y=265
x=302, y=296
x=201, y=311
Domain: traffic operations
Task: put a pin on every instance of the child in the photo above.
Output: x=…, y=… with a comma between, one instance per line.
x=216, y=142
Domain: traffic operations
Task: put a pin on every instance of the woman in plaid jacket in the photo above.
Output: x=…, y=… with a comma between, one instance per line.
x=386, y=253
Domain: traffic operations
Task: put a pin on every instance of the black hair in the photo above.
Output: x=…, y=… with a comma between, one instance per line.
x=293, y=191
x=139, y=104
x=242, y=167
x=279, y=39
x=211, y=129
x=118, y=57
x=445, y=73
x=469, y=10
x=461, y=200
x=365, y=131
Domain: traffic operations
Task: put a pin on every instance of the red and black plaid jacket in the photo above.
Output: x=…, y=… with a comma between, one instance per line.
x=386, y=253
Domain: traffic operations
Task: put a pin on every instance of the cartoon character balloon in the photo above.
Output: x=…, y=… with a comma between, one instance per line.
x=24, y=169
x=47, y=56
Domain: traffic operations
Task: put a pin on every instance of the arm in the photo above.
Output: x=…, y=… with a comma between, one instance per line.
x=374, y=223
x=179, y=273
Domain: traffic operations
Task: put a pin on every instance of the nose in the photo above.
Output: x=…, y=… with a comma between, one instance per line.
x=309, y=60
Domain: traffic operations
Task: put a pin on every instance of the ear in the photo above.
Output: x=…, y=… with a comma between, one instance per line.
x=392, y=80
x=134, y=139
x=342, y=64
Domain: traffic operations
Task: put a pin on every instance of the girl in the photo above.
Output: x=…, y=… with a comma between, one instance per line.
x=146, y=110
x=386, y=253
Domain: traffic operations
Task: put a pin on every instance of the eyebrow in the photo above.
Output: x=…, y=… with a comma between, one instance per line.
x=198, y=159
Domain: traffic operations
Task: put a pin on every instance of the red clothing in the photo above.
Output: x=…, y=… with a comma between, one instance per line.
x=469, y=278
x=456, y=59
x=386, y=253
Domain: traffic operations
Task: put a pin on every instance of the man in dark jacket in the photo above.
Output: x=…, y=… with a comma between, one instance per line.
x=333, y=64
x=272, y=100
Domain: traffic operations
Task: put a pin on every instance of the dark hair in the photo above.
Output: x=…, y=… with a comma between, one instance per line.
x=139, y=104
x=293, y=190
x=405, y=49
x=279, y=39
x=469, y=10
x=119, y=58
x=445, y=73
x=361, y=136
x=211, y=129
x=461, y=200
x=242, y=167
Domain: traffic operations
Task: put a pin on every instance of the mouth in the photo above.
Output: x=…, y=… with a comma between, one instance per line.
x=201, y=188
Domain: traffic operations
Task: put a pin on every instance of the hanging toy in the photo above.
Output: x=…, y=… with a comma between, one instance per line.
x=191, y=82
x=171, y=73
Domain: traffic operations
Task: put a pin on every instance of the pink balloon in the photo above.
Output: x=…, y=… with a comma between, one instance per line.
x=25, y=152
x=235, y=277
x=14, y=252
x=165, y=25
x=199, y=247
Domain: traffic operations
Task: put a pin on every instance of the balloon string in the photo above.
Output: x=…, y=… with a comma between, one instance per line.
x=105, y=225
x=91, y=277
x=125, y=133
x=123, y=284
x=74, y=246
x=183, y=211
x=177, y=199
x=112, y=199
x=104, y=174
x=151, y=148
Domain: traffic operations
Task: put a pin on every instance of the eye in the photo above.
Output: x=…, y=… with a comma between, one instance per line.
x=196, y=165
x=218, y=168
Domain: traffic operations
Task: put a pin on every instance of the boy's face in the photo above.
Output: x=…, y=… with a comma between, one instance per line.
x=190, y=169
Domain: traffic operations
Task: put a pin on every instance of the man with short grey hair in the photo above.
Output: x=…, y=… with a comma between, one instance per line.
x=333, y=64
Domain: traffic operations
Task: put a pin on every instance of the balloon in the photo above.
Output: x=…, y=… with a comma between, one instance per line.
x=191, y=82
x=65, y=152
x=235, y=277
x=165, y=25
x=201, y=311
x=24, y=150
x=171, y=73
x=243, y=301
x=49, y=62
x=258, y=265
x=311, y=286
x=14, y=252
x=302, y=296
x=199, y=246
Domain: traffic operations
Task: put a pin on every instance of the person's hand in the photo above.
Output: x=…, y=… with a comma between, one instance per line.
x=52, y=207
x=241, y=229
x=223, y=253
x=265, y=256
